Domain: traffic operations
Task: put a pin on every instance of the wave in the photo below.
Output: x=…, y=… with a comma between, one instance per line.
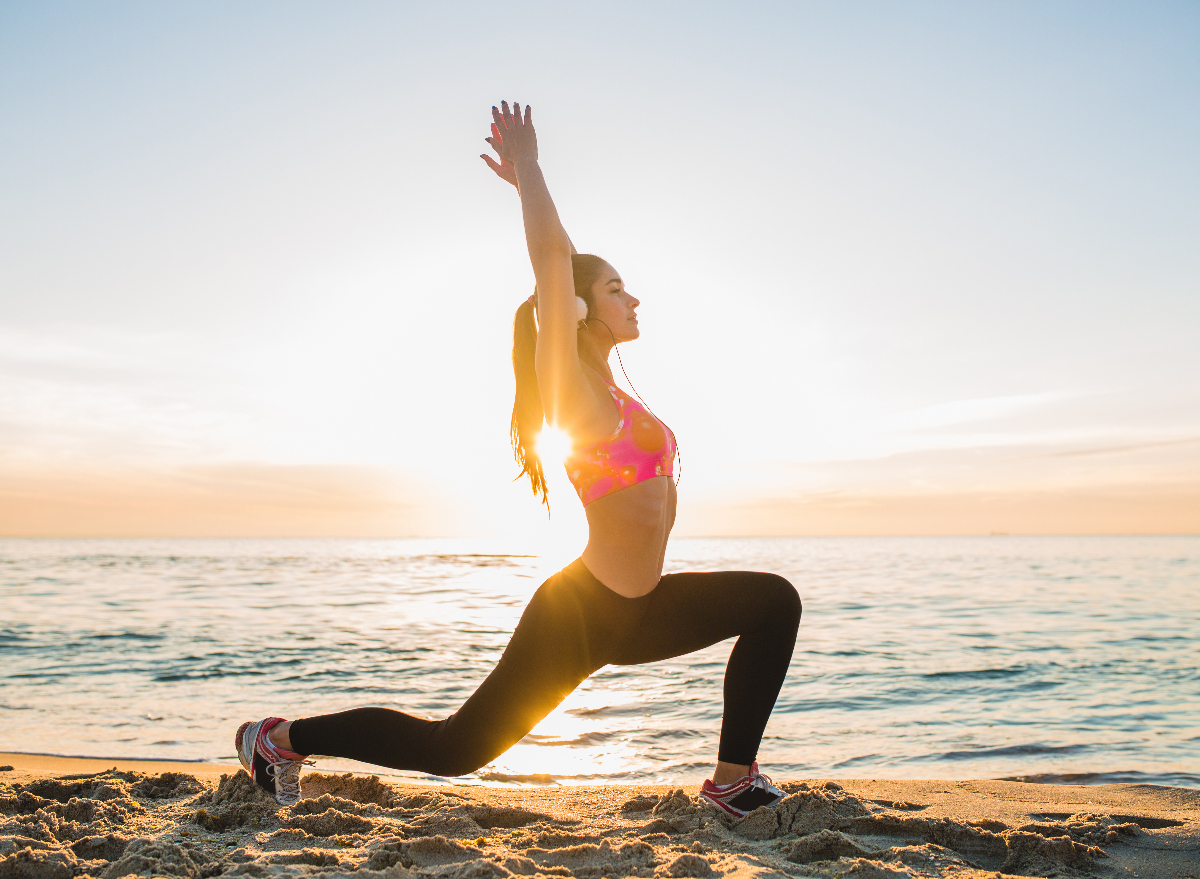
x=1168, y=779
x=1029, y=750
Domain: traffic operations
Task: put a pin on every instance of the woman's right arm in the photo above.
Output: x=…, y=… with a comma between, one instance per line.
x=560, y=376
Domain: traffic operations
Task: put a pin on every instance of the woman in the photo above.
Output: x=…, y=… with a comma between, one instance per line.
x=613, y=604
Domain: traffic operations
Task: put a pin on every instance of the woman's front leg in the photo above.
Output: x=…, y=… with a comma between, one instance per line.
x=689, y=612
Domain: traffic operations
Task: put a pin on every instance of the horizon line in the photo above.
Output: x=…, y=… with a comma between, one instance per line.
x=493, y=537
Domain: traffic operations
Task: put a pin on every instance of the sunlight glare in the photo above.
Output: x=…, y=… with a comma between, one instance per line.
x=553, y=446
x=589, y=743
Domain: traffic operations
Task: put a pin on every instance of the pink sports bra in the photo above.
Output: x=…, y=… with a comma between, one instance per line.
x=641, y=448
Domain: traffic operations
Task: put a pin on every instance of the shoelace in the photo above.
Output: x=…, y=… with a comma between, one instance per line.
x=287, y=775
x=764, y=783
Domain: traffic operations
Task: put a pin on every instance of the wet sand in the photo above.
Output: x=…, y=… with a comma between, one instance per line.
x=64, y=817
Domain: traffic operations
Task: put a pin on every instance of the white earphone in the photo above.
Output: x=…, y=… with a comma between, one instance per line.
x=581, y=309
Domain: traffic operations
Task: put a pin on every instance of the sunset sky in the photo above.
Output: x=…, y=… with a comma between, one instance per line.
x=905, y=268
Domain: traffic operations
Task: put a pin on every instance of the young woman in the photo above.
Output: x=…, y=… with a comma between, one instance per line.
x=613, y=605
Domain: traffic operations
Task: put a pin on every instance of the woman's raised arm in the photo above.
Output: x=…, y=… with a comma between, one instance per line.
x=561, y=379
x=505, y=169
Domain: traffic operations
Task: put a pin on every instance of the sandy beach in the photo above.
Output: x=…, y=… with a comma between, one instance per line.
x=66, y=817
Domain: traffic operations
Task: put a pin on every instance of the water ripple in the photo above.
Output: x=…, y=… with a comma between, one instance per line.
x=960, y=657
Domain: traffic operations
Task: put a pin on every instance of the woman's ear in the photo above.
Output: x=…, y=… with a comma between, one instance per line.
x=581, y=308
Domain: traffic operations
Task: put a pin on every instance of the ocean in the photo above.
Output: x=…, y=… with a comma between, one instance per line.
x=1043, y=658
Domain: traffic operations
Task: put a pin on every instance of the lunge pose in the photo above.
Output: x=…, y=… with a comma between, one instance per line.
x=613, y=605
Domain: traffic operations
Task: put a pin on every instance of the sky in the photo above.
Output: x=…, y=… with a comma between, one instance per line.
x=905, y=268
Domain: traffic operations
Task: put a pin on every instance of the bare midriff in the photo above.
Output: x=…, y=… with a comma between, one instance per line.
x=627, y=535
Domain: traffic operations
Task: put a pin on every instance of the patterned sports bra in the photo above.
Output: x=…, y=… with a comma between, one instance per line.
x=641, y=448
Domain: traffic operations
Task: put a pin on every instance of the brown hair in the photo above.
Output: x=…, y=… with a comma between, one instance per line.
x=528, y=413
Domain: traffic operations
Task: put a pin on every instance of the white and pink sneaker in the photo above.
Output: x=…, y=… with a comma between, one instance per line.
x=275, y=770
x=743, y=796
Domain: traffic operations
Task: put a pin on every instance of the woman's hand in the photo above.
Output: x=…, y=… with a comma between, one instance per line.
x=513, y=139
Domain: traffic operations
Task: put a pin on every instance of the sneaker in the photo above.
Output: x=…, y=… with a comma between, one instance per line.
x=275, y=770
x=743, y=796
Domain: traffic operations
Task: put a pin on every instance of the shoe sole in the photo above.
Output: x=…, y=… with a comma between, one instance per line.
x=728, y=810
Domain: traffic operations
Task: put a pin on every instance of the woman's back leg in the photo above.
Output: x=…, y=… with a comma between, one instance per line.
x=547, y=657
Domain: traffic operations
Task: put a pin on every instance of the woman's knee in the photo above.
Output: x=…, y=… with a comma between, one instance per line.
x=454, y=765
x=783, y=599
x=455, y=755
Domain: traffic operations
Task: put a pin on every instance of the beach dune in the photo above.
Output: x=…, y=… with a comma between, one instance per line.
x=62, y=818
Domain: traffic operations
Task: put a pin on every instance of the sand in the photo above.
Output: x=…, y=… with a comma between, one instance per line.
x=62, y=818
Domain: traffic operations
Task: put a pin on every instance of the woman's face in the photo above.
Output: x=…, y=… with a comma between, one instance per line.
x=614, y=305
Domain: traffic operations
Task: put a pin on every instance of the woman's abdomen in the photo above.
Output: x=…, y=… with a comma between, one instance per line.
x=627, y=535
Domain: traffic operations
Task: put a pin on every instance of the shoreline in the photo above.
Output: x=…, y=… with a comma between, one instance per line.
x=213, y=769
x=135, y=816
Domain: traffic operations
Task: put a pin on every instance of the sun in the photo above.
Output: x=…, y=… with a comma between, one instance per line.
x=553, y=445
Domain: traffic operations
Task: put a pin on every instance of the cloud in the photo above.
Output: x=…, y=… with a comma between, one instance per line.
x=93, y=394
x=1138, y=488
x=1109, y=451
x=1135, y=509
x=959, y=412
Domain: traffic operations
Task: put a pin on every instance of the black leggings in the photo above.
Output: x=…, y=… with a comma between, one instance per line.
x=572, y=626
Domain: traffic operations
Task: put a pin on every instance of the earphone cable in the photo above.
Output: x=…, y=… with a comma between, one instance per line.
x=617, y=348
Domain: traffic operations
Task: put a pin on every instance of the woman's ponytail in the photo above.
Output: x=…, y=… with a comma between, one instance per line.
x=528, y=414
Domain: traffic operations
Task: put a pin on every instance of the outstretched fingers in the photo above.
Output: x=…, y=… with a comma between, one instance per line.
x=512, y=133
x=512, y=118
x=518, y=120
x=504, y=117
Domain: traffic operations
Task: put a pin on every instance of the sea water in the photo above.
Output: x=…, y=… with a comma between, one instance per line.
x=1039, y=657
